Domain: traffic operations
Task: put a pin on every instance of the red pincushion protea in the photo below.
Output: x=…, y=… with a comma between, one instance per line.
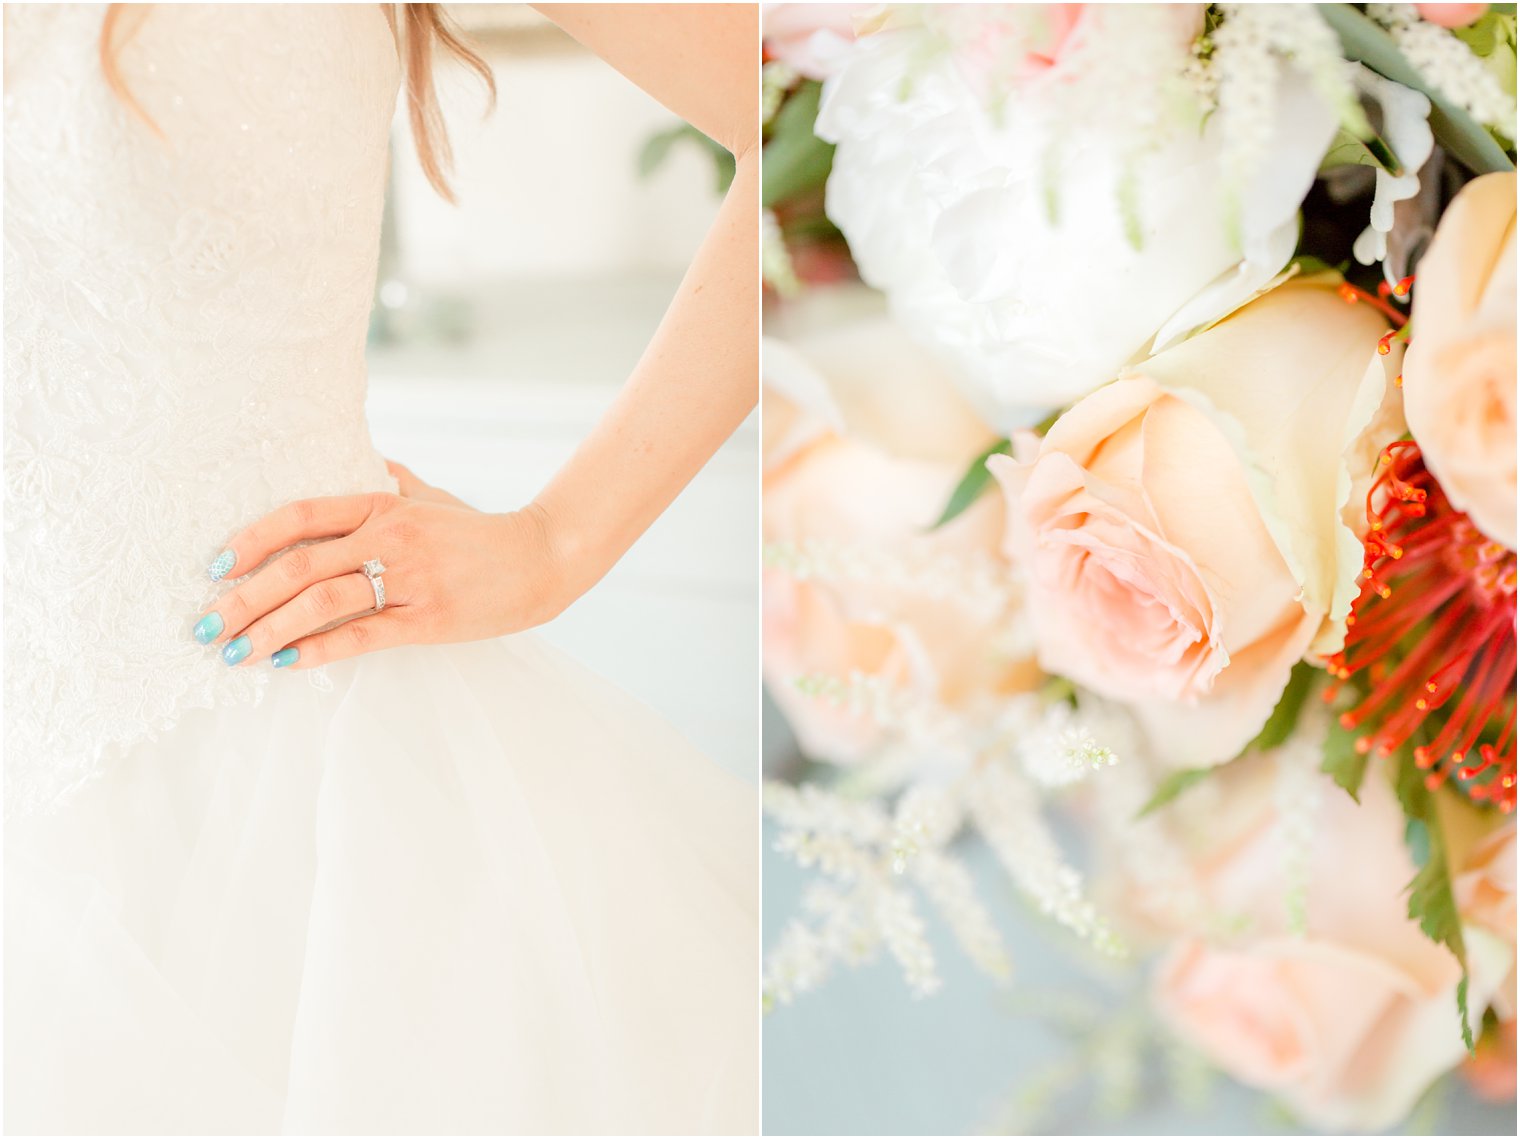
x=1433, y=633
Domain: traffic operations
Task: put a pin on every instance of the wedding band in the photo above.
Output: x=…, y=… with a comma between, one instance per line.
x=372, y=569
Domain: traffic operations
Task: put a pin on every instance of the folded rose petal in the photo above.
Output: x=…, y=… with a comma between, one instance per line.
x=1293, y=381
x=1184, y=527
x=1352, y=1017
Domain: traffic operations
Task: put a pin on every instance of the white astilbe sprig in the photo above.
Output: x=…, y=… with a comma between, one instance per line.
x=1131, y=76
x=947, y=883
x=812, y=813
x=1449, y=65
x=1006, y=810
x=890, y=708
x=865, y=908
x=1251, y=47
x=902, y=930
x=775, y=259
x=1058, y=748
x=870, y=859
x=979, y=582
x=808, y=951
x=1122, y=70
x=873, y=856
x=927, y=817
x=776, y=79
x=1298, y=793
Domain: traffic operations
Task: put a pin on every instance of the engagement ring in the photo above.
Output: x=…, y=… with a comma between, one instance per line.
x=373, y=569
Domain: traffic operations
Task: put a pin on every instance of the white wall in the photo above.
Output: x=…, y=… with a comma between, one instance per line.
x=547, y=184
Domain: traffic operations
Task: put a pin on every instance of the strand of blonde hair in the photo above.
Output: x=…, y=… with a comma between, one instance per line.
x=421, y=28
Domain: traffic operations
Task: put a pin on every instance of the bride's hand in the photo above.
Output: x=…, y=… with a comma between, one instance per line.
x=452, y=573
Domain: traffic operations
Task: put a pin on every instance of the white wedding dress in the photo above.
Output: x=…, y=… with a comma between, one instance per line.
x=441, y=889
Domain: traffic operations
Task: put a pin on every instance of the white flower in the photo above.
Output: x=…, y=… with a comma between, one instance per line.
x=1041, y=226
x=809, y=38
x=1406, y=129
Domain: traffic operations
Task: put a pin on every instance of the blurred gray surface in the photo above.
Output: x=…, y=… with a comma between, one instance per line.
x=860, y=1056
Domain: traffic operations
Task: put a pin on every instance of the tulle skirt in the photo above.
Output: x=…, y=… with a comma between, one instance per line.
x=473, y=888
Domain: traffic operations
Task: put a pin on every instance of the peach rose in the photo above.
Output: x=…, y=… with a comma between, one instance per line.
x=865, y=439
x=1459, y=375
x=1485, y=892
x=1185, y=527
x=1490, y=1070
x=1349, y=1019
x=1452, y=15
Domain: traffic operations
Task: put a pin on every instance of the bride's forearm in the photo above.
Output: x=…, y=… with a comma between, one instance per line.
x=693, y=386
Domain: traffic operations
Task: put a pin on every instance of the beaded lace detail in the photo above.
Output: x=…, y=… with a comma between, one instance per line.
x=184, y=343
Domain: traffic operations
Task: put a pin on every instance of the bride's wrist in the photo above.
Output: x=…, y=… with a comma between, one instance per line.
x=556, y=545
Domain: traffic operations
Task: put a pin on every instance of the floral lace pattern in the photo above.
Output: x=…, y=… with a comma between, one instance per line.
x=184, y=342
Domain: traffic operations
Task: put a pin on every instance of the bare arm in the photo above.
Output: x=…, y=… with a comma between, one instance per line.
x=701, y=60
x=454, y=573
x=698, y=378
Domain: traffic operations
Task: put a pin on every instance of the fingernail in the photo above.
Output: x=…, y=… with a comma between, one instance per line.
x=208, y=628
x=224, y=562
x=285, y=657
x=237, y=650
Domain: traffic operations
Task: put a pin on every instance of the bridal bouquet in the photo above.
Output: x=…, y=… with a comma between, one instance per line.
x=1140, y=456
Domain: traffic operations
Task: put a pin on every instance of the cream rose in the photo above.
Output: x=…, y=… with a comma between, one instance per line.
x=1183, y=527
x=864, y=443
x=1350, y=1018
x=1459, y=375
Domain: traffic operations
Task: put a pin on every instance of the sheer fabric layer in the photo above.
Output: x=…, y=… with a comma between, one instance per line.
x=471, y=889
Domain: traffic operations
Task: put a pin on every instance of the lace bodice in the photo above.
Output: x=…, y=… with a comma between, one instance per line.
x=184, y=334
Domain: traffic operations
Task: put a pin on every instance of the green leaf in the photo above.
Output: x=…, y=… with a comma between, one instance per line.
x=1173, y=785
x=1284, y=717
x=1464, y=1016
x=1431, y=901
x=1464, y=139
x=1346, y=149
x=657, y=149
x=974, y=482
x=1342, y=762
x=1274, y=732
x=1432, y=904
x=1491, y=32
x=796, y=160
x=1309, y=265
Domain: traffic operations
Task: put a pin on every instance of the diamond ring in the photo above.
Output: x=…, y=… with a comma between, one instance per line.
x=372, y=569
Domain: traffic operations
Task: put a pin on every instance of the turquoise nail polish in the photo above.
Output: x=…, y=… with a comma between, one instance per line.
x=237, y=650
x=224, y=562
x=285, y=657
x=208, y=628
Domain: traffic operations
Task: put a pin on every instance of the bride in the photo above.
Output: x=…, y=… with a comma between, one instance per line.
x=316, y=840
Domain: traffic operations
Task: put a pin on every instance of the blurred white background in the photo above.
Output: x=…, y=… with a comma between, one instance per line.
x=508, y=323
